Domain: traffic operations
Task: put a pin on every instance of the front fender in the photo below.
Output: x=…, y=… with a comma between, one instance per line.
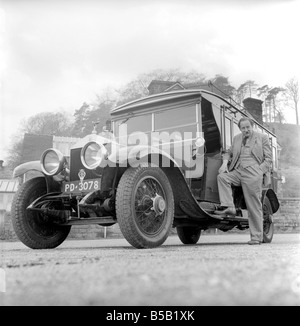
x=25, y=167
x=53, y=183
x=132, y=156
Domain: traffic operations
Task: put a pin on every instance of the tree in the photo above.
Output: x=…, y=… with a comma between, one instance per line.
x=292, y=93
x=90, y=115
x=48, y=123
x=262, y=93
x=99, y=109
x=270, y=97
x=14, y=157
x=244, y=90
x=222, y=84
x=132, y=91
x=81, y=117
x=139, y=87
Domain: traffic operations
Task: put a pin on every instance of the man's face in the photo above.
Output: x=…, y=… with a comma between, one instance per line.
x=246, y=128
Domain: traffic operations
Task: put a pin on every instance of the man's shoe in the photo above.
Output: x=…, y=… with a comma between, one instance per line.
x=254, y=242
x=226, y=211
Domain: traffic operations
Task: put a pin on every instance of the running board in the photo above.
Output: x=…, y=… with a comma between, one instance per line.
x=230, y=218
x=107, y=220
x=205, y=211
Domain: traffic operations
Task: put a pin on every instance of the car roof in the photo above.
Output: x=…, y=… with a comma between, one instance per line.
x=159, y=98
x=165, y=97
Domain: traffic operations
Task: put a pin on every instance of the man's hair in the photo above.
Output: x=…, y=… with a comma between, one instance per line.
x=245, y=119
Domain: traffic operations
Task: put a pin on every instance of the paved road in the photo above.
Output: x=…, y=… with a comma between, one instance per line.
x=219, y=270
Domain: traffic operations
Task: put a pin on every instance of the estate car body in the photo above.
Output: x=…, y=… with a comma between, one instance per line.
x=156, y=169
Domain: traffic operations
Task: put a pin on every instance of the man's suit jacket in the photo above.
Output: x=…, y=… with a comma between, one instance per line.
x=259, y=147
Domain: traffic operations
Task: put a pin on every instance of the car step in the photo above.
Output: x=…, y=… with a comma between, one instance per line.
x=230, y=218
x=91, y=220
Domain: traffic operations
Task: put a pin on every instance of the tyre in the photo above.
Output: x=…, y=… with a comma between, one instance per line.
x=188, y=234
x=35, y=229
x=268, y=225
x=145, y=206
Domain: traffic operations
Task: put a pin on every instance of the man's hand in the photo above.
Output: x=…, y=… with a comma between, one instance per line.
x=224, y=167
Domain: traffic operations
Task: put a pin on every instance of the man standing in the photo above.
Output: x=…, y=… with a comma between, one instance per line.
x=250, y=158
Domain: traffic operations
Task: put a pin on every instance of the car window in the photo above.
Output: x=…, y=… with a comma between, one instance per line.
x=136, y=123
x=175, y=117
x=227, y=132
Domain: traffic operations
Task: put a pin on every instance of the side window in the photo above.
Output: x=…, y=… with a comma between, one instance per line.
x=236, y=129
x=140, y=123
x=210, y=118
x=275, y=160
x=175, y=117
x=227, y=132
x=273, y=144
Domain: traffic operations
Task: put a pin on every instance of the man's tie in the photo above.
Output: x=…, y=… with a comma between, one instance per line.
x=244, y=141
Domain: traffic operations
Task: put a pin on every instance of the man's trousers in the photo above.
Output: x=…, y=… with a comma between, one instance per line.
x=250, y=179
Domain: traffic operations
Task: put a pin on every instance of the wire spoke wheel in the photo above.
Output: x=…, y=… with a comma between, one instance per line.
x=145, y=206
x=150, y=204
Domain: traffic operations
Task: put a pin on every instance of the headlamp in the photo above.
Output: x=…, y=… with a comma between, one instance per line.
x=93, y=154
x=52, y=161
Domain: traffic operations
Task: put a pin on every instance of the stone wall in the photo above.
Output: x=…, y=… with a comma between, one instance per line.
x=6, y=229
x=78, y=232
x=94, y=232
x=287, y=220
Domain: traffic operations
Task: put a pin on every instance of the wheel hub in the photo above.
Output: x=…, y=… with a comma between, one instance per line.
x=159, y=204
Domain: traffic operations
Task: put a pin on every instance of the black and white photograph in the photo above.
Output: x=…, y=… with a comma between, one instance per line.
x=149, y=155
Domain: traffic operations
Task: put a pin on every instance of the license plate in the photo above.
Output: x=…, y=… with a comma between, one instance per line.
x=82, y=186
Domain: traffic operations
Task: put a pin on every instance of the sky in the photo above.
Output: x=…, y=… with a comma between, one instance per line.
x=55, y=55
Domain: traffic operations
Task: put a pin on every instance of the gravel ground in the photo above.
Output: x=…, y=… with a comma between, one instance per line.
x=219, y=270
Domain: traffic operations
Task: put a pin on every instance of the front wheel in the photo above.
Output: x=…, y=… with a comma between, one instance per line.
x=145, y=206
x=35, y=229
x=268, y=225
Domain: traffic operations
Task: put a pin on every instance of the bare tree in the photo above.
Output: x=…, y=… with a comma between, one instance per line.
x=14, y=157
x=273, y=100
x=45, y=123
x=292, y=93
x=270, y=97
x=138, y=87
x=263, y=93
x=48, y=123
x=245, y=89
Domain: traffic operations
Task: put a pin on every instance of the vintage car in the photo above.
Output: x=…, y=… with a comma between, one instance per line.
x=155, y=169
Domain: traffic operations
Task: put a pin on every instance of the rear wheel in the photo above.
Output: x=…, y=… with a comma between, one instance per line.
x=145, y=206
x=268, y=225
x=35, y=229
x=188, y=234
